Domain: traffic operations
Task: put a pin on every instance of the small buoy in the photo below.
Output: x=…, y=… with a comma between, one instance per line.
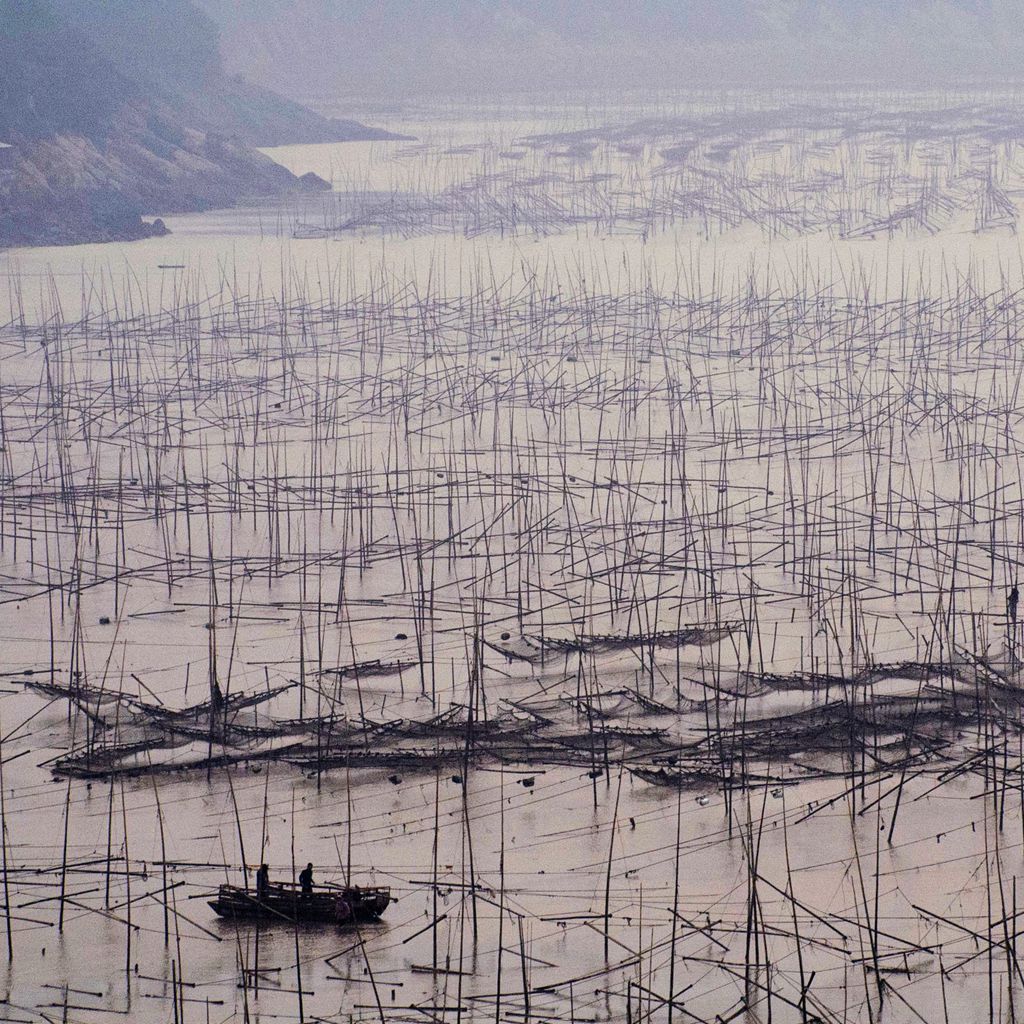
x=506, y=636
x=401, y=636
x=394, y=779
x=457, y=779
x=528, y=782
x=104, y=620
x=777, y=792
x=703, y=800
x=595, y=773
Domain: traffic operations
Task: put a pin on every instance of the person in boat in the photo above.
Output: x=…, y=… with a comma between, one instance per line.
x=306, y=880
x=262, y=881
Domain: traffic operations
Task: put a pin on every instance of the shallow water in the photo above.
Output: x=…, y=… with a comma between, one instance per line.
x=317, y=446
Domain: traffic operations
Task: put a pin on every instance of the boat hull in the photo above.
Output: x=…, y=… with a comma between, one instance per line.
x=332, y=906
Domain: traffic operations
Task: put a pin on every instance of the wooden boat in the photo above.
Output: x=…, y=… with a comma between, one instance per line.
x=326, y=904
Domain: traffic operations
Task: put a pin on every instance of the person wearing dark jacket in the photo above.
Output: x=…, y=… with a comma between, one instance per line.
x=262, y=881
x=306, y=880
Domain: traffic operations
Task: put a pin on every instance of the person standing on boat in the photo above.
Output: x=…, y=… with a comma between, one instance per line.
x=262, y=881
x=306, y=880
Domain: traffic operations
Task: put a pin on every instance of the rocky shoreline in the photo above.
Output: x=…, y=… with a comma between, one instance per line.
x=116, y=112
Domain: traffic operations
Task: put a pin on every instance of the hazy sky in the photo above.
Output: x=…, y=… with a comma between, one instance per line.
x=400, y=47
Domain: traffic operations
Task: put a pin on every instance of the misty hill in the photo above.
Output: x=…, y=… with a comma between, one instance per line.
x=121, y=107
x=373, y=47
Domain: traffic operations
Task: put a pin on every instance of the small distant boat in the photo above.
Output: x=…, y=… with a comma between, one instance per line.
x=285, y=902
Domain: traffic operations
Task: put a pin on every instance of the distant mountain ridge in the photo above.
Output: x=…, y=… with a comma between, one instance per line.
x=121, y=107
x=401, y=49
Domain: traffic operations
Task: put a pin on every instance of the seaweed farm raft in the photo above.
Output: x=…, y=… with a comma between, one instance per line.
x=597, y=552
